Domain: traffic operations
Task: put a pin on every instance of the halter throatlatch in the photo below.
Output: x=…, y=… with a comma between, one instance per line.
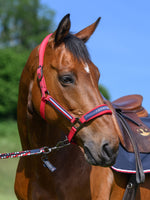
x=77, y=123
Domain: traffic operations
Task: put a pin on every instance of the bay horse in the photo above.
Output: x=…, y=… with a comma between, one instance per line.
x=72, y=80
x=83, y=169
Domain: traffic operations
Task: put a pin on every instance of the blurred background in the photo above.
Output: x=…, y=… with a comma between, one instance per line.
x=119, y=47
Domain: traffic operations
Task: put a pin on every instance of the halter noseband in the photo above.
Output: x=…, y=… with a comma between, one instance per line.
x=77, y=123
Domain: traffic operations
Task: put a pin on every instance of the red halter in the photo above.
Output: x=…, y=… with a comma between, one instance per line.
x=77, y=123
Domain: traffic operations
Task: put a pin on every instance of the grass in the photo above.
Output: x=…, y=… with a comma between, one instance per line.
x=9, y=142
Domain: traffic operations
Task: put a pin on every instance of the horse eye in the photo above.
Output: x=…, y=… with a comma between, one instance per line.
x=66, y=79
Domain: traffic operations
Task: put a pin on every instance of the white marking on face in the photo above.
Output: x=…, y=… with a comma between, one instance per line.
x=87, y=69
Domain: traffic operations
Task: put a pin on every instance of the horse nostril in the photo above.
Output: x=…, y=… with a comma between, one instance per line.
x=107, y=152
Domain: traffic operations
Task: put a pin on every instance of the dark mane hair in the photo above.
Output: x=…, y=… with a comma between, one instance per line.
x=77, y=47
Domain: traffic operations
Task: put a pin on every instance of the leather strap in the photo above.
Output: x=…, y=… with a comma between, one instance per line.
x=140, y=176
x=131, y=189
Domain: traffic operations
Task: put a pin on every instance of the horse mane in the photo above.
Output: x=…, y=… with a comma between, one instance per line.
x=77, y=47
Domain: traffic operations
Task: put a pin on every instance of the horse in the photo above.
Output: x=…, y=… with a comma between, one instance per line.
x=83, y=170
x=71, y=78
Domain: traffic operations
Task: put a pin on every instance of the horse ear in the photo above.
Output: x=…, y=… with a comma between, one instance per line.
x=63, y=29
x=88, y=31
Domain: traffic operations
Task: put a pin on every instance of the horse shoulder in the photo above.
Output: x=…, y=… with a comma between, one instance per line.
x=101, y=180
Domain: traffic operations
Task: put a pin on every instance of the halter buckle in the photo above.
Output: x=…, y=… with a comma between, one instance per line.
x=77, y=124
x=39, y=73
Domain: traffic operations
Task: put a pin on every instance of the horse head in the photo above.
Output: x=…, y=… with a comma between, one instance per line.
x=72, y=79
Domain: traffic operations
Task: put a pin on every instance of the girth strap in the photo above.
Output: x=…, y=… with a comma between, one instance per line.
x=131, y=189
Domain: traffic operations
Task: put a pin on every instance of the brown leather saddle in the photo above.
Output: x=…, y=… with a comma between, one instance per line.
x=134, y=123
x=129, y=110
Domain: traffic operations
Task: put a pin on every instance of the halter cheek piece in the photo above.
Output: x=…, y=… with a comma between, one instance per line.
x=77, y=123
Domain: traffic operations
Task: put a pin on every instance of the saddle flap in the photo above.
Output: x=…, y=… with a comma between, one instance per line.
x=140, y=132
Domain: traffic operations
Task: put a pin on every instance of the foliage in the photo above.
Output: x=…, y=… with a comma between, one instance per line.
x=11, y=65
x=104, y=92
x=24, y=22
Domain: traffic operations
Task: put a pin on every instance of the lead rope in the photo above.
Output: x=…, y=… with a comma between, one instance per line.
x=44, y=151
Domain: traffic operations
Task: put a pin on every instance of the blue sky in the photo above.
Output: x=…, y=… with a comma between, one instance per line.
x=120, y=47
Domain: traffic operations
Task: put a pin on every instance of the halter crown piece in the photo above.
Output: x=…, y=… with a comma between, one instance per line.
x=77, y=123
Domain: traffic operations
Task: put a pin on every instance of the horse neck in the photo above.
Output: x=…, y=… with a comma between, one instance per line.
x=41, y=133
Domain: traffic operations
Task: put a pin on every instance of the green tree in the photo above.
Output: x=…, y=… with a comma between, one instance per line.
x=11, y=66
x=104, y=92
x=24, y=22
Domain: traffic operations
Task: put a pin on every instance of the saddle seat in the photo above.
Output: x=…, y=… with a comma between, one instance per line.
x=131, y=116
x=131, y=103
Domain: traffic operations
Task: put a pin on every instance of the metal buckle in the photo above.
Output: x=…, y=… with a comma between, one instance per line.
x=47, y=150
x=40, y=75
x=62, y=144
x=77, y=124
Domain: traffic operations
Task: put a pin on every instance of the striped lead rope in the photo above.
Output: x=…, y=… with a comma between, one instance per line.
x=42, y=150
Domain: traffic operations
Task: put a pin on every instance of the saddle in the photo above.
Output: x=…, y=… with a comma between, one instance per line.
x=133, y=118
x=134, y=123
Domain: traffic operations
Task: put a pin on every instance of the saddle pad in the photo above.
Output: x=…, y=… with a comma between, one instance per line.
x=146, y=120
x=125, y=162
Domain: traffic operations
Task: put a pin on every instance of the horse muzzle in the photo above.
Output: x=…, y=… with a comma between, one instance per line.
x=105, y=155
